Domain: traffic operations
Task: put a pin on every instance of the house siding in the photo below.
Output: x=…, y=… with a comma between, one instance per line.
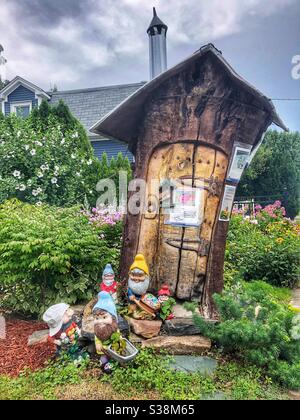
x=21, y=94
x=111, y=148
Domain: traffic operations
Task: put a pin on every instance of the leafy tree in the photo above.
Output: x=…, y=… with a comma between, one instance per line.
x=275, y=171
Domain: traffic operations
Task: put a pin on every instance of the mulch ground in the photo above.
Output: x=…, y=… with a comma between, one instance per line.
x=15, y=355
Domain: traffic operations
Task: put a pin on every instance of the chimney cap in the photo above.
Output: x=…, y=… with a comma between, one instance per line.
x=156, y=22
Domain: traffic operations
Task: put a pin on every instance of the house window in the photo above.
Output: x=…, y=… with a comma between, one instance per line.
x=22, y=109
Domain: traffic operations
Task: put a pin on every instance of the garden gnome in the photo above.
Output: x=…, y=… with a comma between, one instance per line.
x=109, y=283
x=105, y=324
x=164, y=295
x=64, y=332
x=139, y=279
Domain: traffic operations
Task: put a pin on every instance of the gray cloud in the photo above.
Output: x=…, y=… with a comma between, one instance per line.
x=84, y=43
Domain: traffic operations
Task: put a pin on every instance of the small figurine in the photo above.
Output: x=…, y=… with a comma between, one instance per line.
x=64, y=332
x=166, y=302
x=105, y=325
x=109, y=284
x=139, y=279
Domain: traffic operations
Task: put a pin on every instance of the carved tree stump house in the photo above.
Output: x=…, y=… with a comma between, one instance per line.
x=195, y=125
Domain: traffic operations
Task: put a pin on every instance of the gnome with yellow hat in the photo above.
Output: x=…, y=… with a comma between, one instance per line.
x=139, y=279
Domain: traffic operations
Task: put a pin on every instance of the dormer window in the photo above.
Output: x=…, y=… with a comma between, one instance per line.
x=22, y=109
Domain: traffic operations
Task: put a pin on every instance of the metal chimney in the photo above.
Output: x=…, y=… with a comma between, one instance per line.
x=157, y=32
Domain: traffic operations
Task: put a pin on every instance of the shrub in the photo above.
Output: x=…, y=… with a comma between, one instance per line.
x=257, y=326
x=50, y=254
x=266, y=248
x=47, y=158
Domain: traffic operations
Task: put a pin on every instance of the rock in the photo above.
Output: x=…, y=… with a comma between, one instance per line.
x=135, y=339
x=179, y=345
x=190, y=364
x=123, y=326
x=181, y=326
x=38, y=337
x=78, y=309
x=146, y=329
x=180, y=312
x=216, y=396
x=87, y=327
x=294, y=395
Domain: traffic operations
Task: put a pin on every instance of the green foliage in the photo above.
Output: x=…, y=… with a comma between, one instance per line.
x=266, y=251
x=47, y=158
x=275, y=171
x=257, y=326
x=49, y=254
x=149, y=372
x=166, y=308
x=42, y=383
x=246, y=382
x=117, y=343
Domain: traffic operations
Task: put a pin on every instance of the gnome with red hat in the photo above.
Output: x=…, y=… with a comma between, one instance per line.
x=167, y=303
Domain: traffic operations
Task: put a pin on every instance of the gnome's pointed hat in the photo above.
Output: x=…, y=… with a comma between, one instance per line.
x=106, y=303
x=108, y=270
x=140, y=263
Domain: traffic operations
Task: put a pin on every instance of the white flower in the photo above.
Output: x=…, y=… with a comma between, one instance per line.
x=75, y=135
x=17, y=174
x=56, y=168
x=44, y=167
x=18, y=133
x=29, y=183
x=38, y=143
x=54, y=180
x=63, y=142
x=39, y=190
x=78, y=174
x=33, y=152
x=26, y=147
x=73, y=156
x=22, y=187
x=56, y=173
x=40, y=174
x=89, y=162
x=39, y=203
x=35, y=193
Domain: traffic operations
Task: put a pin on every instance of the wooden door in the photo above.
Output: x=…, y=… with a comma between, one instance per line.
x=178, y=255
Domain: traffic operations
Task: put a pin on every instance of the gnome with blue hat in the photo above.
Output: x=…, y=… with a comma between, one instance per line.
x=105, y=325
x=109, y=283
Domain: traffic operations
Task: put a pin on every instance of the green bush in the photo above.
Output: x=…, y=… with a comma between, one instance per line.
x=258, y=327
x=268, y=250
x=50, y=254
x=47, y=158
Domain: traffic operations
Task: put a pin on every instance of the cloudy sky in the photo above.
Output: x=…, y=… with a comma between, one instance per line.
x=88, y=43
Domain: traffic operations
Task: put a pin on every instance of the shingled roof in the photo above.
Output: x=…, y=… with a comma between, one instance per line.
x=90, y=105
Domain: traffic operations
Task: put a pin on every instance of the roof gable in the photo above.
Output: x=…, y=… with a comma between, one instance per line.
x=19, y=81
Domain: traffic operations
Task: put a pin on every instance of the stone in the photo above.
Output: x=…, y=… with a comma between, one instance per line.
x=78, y=309
x=38, y=337
x=180, y=312
x=294, y=395
x=191, y=364
x=180, y=326
x=296, y=298
x=216, y=396
x=179, y=345
x=146, y=329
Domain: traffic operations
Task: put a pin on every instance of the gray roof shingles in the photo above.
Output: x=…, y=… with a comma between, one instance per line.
x=90, y=105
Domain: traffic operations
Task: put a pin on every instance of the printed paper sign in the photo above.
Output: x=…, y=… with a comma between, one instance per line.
x=187, y=209
x=227, y=203
x=240, y=159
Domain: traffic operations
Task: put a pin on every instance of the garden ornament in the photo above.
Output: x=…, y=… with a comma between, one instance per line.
x=164, y=298
x=105, y=325
x=109, y=284
x=64, y=332
x=139, y=279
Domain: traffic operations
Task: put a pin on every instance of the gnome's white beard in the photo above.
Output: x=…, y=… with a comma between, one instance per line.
x=139, y=288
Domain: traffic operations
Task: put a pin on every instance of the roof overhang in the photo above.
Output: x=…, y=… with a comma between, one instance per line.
x=120, y=123
x=19, y=81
